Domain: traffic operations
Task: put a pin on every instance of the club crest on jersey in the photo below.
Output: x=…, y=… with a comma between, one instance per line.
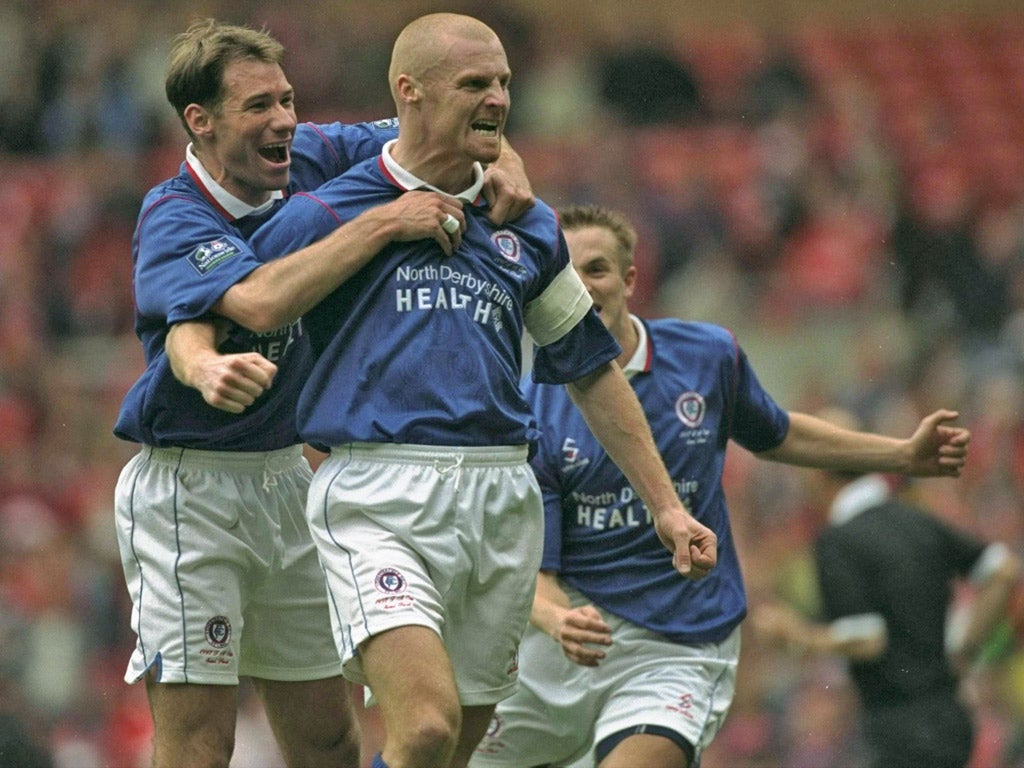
x=507, y=244
x=208, y=256
x=218, y=631
x=690, y=409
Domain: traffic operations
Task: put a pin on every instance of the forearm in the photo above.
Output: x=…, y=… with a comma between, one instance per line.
x=282, y=290
x=857, y=638
x=186, y=344
x=549, y=604
x=614, y=415
x=813, y=442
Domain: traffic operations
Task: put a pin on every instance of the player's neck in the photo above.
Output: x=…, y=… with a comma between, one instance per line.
x=628, y=337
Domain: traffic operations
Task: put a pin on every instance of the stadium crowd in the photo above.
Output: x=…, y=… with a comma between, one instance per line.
x=849, y=201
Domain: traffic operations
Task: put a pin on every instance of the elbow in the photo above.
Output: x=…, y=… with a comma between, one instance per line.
x=265, y=320
x=252, y=311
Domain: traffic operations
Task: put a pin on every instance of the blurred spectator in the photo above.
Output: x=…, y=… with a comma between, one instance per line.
x=644, y=84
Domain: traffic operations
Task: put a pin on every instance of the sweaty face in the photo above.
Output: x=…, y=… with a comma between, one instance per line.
x=248, y=146
x=593, y=251
x=468, y=100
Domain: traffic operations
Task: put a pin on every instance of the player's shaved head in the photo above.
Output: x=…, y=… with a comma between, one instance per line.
x=425, y=43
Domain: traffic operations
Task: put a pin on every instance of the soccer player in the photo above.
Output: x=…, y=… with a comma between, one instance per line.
x=218, y=559
x=886, y=569
x=426, y=514
x=625, y=663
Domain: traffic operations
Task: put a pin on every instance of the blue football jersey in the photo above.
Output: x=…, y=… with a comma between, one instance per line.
x=423, y=348
x=187, y=250
x=698, y=391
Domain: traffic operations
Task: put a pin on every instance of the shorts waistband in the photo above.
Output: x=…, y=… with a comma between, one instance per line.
x=467, y=456
x=278, y=460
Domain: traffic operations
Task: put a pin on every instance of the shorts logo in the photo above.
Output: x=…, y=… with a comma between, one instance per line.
x=690, y=409
x=392, y=584
x=389, y=581
x=491, y=744
x=210, y=255
x=508, y=244
x=495, y=726
x=218, y=631
x=684, y=706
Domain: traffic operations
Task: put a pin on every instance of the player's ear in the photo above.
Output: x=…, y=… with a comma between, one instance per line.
x=629, y=279
x=408, y=89
x=197, y=118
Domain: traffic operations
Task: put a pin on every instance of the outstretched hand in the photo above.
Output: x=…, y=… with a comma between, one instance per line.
x=937, y=448
x=694, y=546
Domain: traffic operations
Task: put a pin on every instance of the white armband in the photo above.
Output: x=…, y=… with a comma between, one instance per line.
x=558, y=309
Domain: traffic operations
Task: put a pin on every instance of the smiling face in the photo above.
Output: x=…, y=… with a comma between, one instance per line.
x=594, y=251
x=245, y=142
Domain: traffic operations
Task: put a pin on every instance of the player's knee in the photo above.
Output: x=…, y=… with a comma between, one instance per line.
x=345, y=746
x=201, y=749
x=430, y=738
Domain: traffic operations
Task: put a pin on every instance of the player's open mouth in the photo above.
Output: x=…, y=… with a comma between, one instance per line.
x=275, y=153
x=485, y=128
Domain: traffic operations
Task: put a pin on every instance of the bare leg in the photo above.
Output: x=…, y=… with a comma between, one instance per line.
x=414, y=684
x=313, y=722
x=193, y=725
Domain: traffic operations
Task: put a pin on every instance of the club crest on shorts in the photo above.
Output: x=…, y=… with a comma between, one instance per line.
x=491, y=744
x=391, y=583
x=218, y=631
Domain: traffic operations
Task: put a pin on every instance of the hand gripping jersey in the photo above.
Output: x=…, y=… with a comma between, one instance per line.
x=698, y=392
x=189, y=247
x=422, y=348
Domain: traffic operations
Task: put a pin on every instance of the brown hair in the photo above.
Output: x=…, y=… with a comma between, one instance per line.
x=580, y=216
x=199, y=56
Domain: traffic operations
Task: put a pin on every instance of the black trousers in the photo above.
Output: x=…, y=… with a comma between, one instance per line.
x=934, y=732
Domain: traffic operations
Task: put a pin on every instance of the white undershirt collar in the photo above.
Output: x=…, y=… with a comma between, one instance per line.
x=409, y=181
x=638, y=362
x=236, y=208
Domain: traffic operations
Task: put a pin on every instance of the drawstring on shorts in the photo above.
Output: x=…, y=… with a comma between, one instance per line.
x=456, y=466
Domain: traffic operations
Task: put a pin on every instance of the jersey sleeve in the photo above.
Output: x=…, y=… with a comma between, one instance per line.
x=187, y=256
x=303, y=220
x=322, y=151
x=756, y=422
x=571, y=341
x=545, y=467
x=963, y=552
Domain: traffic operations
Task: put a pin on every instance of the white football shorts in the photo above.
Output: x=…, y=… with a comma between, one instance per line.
x=445, y=538
x=562, y=710
x=223, y=574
